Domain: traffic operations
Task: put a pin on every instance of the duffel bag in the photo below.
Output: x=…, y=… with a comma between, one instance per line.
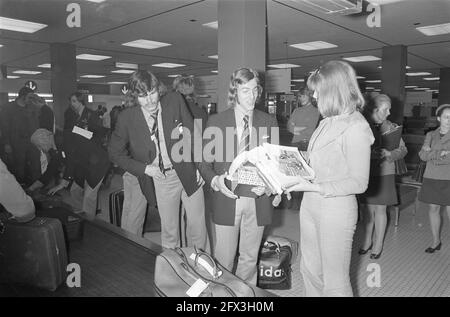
x=190, y=272
x=274, y=266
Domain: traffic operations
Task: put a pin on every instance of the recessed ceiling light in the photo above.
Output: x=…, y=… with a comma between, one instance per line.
x=360, y=77
x=311, y=46
x=20, y=25
x=92, y=57
x=431, y=78
x=284, y=66
x=26, y=72
x=46, y=95
x=373, y=81
x=1, y=45
x=92, y=76
x=116, y=82
x=212, y=25
x=298, y=80
x=173, y=76
x=418, y=74
x=214, y=56
x=123, y=71
x=421, y=88
x=127, y=65
x=168, y=65
x=378, y=90
x=293, y=85
x=359, y=59
x=215, y=71
x=410, y=87
x=434, y=90
x=96, y=1
x=294, y=90
x=46, y=65
x=437, y=29
x=12, y=77
x=370, y=88
x=146, y=44
x=407, y=67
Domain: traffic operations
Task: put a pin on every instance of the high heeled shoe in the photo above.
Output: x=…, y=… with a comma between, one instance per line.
x=362, y=251
x=431, y=250
x=375, y=256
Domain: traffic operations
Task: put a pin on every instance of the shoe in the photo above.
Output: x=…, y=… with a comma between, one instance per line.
x=362, y=251
x=431, y=250
x=375, y=256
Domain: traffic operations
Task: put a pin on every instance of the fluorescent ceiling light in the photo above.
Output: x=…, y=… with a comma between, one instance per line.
x=410, y=87
x=48, y=100
x=20, y=25
x=12, y=77
x=431, y=78
x=215, y=71
x=168, y=65
x=377, y=90
x=214, y=56
x=126, y=65
x=418, y=74
x=92, y=57
x=46, y=95
x=373, y=81
x=173, y=76
x=370, y=88
x=26, y=72
x=298, y=80
x=434, y=90
x=360, y=77
x=46, y=65
x=359, y=59
x=293, y=85
x=283, y=65
x=116, y=82
x=407, y=67
x=96, y=1
x=437, y=29
x=311, y=46
x=212, y=25
x=422, y=88
x=381, y=2
x=92, y=76
x=295, y=90
x=146, y=44
x=1, y=45
x=123, y=71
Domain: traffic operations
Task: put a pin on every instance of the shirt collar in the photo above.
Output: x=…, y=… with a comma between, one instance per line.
x=239, y=113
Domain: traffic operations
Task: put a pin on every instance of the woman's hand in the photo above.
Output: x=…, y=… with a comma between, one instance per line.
x=444, y=153
x=385, y=153
x=58, y=187
x=260, y=190
x=301, y=186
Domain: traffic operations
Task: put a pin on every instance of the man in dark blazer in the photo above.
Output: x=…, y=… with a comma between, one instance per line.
x=143, y=143
x=236, y=217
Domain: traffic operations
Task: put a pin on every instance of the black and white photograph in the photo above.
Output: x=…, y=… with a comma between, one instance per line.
x=127, y=128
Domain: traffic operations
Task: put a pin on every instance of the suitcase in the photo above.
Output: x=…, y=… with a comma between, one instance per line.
x=73, y=225
x=33, y=253
x=116, y=207
x=177, y=270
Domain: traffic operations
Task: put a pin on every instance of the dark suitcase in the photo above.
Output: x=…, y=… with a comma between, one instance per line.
x=73, y=225
x=116, y=207
x=33, y=253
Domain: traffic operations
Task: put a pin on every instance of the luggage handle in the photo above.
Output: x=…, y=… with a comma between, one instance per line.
x=216, y=272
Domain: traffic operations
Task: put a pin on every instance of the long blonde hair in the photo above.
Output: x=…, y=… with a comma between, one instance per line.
x=337, y=89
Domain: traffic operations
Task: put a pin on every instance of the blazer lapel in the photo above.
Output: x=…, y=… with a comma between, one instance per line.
x=141, y=125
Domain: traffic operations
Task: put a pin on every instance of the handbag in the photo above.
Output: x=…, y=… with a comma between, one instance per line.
x=182, y=272
x=418, y=174
x=400, y=167
x=274, y=266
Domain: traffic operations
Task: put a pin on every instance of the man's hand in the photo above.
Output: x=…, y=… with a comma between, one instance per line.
x=260, y=190
x=57, y=188
x=276, y=201
x=154, y=172
x=218, y=184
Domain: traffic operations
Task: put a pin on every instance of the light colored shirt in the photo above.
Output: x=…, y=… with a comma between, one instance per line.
x=13, y=197
x=162, y=143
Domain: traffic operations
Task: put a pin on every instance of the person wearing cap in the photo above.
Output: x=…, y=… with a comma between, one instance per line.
x=19, y=119
x=435, y=189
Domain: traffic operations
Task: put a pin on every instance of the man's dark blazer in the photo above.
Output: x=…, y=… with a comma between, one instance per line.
x=132, y=148
x=224, y=208
x=89, y=119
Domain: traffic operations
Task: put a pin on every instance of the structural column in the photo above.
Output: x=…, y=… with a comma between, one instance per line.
x=241, y=40
x=64, y=78
x=444, y=86
x=393, y=76
x=4, y=95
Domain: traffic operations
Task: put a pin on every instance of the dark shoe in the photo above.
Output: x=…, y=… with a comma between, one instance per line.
x=431, y=250
x=362, y=251
x=375, y=256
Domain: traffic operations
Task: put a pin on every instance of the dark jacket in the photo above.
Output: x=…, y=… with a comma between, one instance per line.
x=18, y=123
x=55, y=164
x=132, y=149
x=46, y=118
x=224, y=208
x=88, y=120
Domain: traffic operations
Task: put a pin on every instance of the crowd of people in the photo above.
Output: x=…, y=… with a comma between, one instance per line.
x=334, y=127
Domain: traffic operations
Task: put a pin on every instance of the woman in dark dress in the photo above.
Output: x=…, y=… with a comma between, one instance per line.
x=435, y=189
x=381, y=191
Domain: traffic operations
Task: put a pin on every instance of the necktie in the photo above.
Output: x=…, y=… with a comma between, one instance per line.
x=156, y=134
x=244, y=143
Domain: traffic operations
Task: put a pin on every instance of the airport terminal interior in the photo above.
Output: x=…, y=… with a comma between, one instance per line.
x=398, y=48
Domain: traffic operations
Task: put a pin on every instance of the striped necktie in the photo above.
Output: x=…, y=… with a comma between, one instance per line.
x=156, y=134
x=244, y=143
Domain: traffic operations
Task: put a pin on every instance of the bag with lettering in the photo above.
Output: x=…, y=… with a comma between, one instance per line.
x=274, y=266
x=182, y=272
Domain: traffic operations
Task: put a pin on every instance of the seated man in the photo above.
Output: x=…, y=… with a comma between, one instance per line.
x=13, y=197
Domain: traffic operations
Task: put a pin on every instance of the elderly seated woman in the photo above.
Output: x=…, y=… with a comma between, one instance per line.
x=51, y=158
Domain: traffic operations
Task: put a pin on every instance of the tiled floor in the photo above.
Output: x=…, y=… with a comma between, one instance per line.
x=406, y=270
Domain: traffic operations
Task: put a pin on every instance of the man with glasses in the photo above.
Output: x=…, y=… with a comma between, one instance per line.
x=239, y=220
x=143, y=144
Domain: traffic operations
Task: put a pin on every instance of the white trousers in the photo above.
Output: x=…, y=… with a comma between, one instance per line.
x=134, y=205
